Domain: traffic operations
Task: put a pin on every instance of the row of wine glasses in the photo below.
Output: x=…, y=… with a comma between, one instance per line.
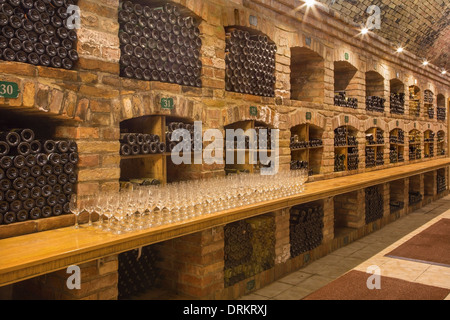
x=147, y=207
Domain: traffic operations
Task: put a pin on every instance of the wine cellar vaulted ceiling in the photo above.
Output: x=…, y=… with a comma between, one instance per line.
x=421, y=27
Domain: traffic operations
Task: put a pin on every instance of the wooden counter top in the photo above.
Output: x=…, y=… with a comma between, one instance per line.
x=36, y=254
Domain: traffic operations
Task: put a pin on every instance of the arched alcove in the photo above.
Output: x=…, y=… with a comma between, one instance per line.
x=397, y=96
x=345, y=86
x=428, y=102
x=415, y=145
x=307, y=75
x=397, y=145
x=441, y=142
x=429, y=139
x=374, y=147
x=441, y=109
x=158, y=45
x=250, y=62
x=346, y=149
x=414, y=101
x=374, y=92
x=307, y=148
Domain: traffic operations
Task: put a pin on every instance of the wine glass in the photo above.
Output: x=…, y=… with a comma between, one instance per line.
x=90, y=206
x=75, y=209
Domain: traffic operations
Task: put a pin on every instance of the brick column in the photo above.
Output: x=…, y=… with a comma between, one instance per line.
x=328, y=219
x=194, y=265
x=430, y=186
x=99, y=281
x=386, y=191
x=282, y=238
x=349, y=209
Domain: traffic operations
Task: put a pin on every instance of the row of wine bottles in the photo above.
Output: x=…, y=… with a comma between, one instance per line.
x=398, y=138
x=374, y=204
x=306, y=228
x=397, y=103
x=159, y=44
x=36, y=32
x=374, y=103
x=415, y=197
x=301, y=165
x=341, y=100
x=136, y=144
x=297, y=144
x=415, y=153
x=441, y=114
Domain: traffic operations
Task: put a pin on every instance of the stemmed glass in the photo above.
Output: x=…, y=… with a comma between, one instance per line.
x=75, y=209
x=91, y=205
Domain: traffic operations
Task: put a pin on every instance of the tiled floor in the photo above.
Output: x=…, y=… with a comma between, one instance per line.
x=366, y=252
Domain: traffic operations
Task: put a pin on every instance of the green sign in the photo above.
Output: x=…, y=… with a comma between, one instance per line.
x=308, y=116
x=9, y=90
x=347, y=56
x=167, y=103
x=254, y=111
x=375, y=121
x=346, y=119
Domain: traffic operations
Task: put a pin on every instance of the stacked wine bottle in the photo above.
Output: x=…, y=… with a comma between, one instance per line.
x=36, y=32
x=137, y=274
x=441, y=183
x=249, y=248
x=159, y=44
x=195, y=144
x=341, y=100
x=397, y=103
x=370, y=157
x=250, y=63
x=374, y=103
x=37, y=177
x=353, y=159
x=137, y=143
x=238, y=251
x=306, y=228
x=415, y=197
x=441, y=114
x=374, y=204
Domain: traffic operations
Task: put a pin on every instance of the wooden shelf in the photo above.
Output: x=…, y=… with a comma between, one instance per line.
x=37, y=254
x=143, y=156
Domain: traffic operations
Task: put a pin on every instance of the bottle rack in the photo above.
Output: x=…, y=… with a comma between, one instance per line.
x=250, y=62
x=397, y=101
x=42, y=38
x=374, y=204
x=374, y=147
x=346, y=149
x=37, y=176
x=441, y=143
x=159, y=43
x=307, y=148
x=341, y=100
x=397, y=146
x=414, y=101
x=248, y=148
x=145, y=168
x=306, y=228
x=441, y=181
x=429, y=103
x=429, y=139
x=415, y=145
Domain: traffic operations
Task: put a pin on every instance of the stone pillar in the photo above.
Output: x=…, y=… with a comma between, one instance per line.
x=282, y=237
x=193, y=265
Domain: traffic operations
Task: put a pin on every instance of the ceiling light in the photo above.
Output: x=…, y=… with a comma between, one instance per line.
x=425, y=63
x=400, y=50
x=444, y=71
x=364, y=30
x=310, y=3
